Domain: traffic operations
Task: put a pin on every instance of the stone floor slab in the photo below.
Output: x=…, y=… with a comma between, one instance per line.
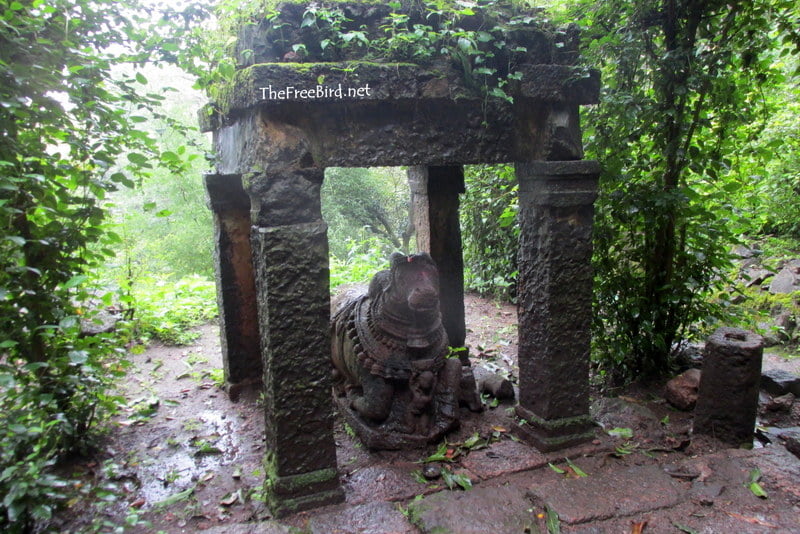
x=383, y=483
x=499, y=510
x=503, y=458
x=605, y=495
x=372, y=518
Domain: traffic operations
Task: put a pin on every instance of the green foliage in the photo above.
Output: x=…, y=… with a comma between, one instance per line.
x=475, y=36
x=167, y=310
x=490, y=229
x=70, y=136
x=363, y=260
x=682, y=92
x=365, y=205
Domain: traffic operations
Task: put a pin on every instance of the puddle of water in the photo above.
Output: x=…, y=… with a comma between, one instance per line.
x=174, y=466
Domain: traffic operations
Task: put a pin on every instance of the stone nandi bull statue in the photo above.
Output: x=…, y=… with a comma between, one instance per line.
x=393, y=380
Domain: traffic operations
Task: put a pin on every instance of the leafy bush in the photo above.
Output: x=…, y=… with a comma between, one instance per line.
x=363, y=260
x=490, y=230
x=49, y=409
x=166, y=310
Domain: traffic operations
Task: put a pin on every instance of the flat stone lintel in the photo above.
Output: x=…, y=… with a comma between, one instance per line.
x=554, y=434
x=276, y=84
x=291, y=494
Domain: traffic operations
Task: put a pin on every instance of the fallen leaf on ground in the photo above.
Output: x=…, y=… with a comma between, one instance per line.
x=751, y=520
x=638, y=528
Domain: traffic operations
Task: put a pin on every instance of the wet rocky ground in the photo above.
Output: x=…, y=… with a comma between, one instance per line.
x=183, y=458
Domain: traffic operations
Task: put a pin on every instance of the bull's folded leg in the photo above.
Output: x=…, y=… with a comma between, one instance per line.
x=376, y=402
x=447, y=394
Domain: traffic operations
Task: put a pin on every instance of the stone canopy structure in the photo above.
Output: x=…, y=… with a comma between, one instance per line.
x=294, y=107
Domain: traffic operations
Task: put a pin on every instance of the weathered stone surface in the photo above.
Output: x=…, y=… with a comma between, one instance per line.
x=779, y=470
x=236, y=292
x=394, y=381
x=438, y=132
x=792, y=442
x=372, y=518
x=503, y=510
x=554, y=290
x=787, y=280
x=503, y=458
x=434, y=215
x=384, y=483
x=292, y=282
x=782, y=403
x=434, y=210
x=615, y=412
x=612, y=494
x=728, y=399
x=262, y=527
x=755, y=275
x=780, y=382
x=681, y=391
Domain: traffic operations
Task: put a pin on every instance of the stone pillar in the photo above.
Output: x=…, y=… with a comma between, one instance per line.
x=236, y=293
x=556, y=200
x=434, y=212
x=290, y=257
x=727, y=400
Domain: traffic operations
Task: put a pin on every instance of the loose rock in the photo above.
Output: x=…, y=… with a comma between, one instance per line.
x=779, y=382
x=787, y=280
x=681, y=391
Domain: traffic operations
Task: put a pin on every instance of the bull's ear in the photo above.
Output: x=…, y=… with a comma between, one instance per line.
x=396, y=259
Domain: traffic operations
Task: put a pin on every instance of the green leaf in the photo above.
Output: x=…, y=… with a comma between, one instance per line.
x=684, y=528
x=453, y=480
x=556, y=469
x=552, y=521
x=626, y=433
x=137, y=159
x=141, y=79
x=177, y=497
x=578, y=471
x=75, y=281
x=753, y=485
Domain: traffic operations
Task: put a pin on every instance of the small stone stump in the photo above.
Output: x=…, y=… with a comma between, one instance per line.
x=728, y=397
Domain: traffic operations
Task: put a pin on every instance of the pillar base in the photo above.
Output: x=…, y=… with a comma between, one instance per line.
x=554, y=434
x=288, y=495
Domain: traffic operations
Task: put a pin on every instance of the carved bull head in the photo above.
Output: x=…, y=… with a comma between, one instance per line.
x=416, y=279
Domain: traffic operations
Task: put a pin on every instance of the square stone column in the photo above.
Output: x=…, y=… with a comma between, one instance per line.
x=290, y=256
x=236, y=292
x=434, y=212
x=556, y=201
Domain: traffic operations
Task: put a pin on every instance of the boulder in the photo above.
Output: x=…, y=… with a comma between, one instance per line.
x=787, y=280
x=755, y=275
x=681, y=391
x=780, y=404
x=779, y=382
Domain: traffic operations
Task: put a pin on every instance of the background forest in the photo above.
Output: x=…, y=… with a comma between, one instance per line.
x=104, y=218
